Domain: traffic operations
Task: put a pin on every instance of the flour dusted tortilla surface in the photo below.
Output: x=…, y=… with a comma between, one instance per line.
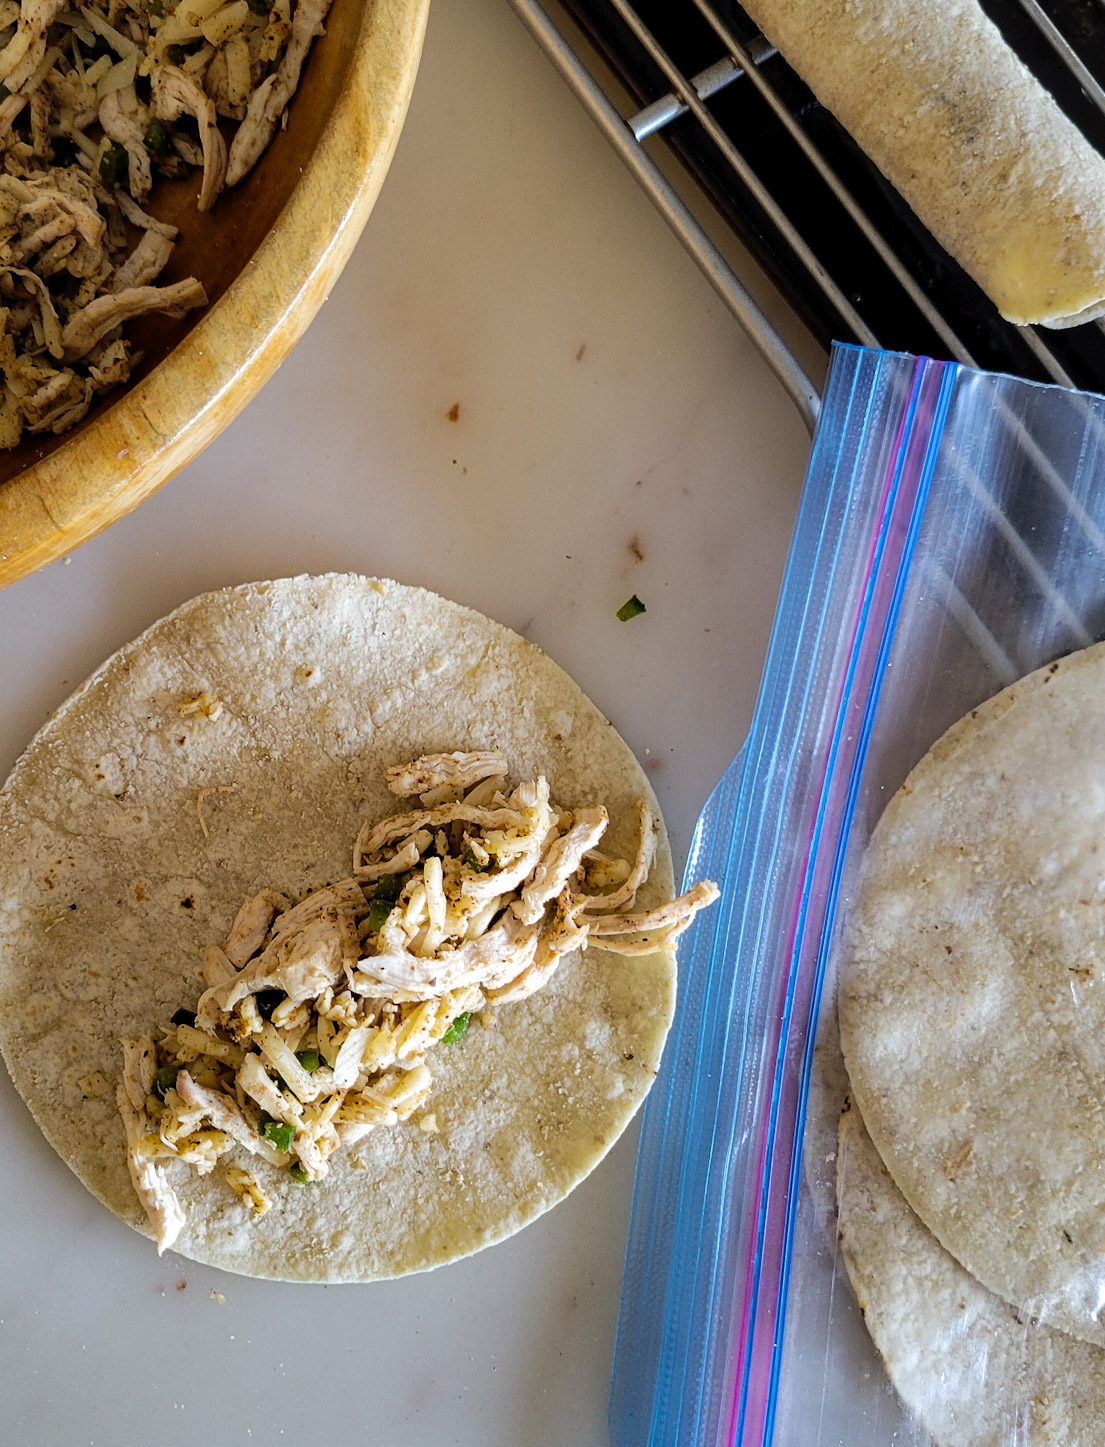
x=139, y=819
x=972, y=999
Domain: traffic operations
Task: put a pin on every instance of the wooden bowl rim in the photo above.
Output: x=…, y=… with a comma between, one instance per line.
x=166, y=418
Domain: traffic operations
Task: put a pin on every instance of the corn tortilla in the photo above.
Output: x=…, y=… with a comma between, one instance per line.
x=972, y=1000
x=974, y=1372
x=979, y=149
x=131, y=831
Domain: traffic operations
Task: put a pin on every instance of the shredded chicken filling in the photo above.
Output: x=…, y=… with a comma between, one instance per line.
x=320, y=1015
x=97, y=101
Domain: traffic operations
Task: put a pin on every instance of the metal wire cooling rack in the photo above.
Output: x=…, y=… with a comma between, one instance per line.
x=821, y=221
x=1017, y=577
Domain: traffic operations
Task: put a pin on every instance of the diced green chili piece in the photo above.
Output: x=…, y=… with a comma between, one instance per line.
x=630, y=608
x=389, y=887
x=277, y=1131
x=165, y=1079
x=113, y=164
x=473, y=861
x=377, y=915
x=158, y=138
x=458, y=1029
x=298, y=1173
x=183, y=1017
x=267, y=1001
x=309, y=1059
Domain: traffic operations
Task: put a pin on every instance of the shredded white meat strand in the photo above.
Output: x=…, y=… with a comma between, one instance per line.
x=268, y=101
x=104, y=313
x=251, y=925
x=151, y=1186
x=560, y=862
x=457, y=770
x=676, y=913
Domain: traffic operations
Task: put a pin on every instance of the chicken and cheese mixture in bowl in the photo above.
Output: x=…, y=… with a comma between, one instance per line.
x=320, y=1017
x=96, y=102
x=381, y=905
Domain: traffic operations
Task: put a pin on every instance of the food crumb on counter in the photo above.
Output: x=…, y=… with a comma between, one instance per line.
x=630, y=608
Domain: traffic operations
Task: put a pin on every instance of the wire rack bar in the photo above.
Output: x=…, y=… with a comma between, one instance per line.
x=678, y=216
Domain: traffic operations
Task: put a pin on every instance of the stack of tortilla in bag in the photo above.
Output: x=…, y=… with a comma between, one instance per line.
x=971, y=1165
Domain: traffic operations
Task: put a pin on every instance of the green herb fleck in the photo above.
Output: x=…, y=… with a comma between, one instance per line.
x=277, y=1131
x=309, y=1059
x=165, y=1080
x=473, y=861
x=458, y=1029
x=113, y=164
x=377, y=915
x=158, y=138
x=630, y=608
x=388, y=889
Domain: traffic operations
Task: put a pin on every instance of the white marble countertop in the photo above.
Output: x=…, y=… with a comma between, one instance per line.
x=614, y=433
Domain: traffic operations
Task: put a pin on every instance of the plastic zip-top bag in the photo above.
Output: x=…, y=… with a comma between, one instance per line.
x=945, y=1171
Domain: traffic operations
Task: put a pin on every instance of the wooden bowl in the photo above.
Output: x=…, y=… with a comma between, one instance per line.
x=268, y=254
